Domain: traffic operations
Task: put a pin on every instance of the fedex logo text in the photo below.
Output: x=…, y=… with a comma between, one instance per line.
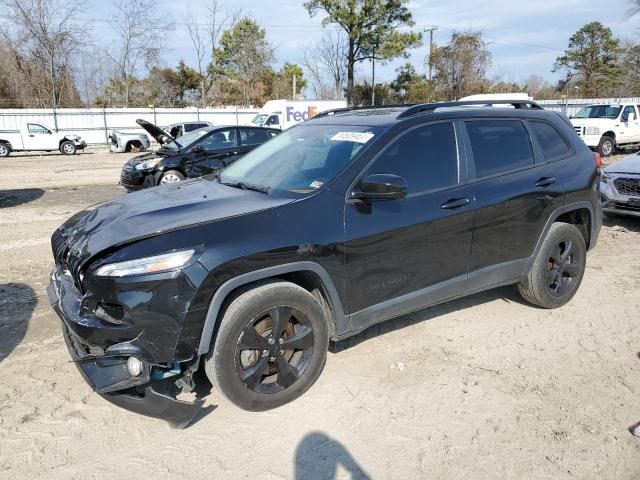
x=300, y=116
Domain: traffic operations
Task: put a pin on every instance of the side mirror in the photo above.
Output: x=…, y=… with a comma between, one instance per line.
x=381, y=186
x=197, y=148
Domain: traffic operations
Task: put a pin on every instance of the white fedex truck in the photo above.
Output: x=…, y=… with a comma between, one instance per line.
x=283, y=114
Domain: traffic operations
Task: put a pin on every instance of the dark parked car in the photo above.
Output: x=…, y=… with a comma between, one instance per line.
x=195, y=154
x=347, y=220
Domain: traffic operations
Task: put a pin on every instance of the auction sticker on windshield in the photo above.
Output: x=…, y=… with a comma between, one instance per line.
x=356, y=137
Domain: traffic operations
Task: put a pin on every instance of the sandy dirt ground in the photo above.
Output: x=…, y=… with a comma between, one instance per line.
x=485, y=387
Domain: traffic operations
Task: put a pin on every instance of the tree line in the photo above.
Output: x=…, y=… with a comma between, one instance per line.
x=49, y=59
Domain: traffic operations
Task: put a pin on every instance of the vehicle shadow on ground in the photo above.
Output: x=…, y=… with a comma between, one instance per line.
x=319, y=456
x=630, y=223
x=13, y=198
x=17, y=303
x=508, y=294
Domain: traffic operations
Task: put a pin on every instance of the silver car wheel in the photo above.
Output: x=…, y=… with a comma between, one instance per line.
x=607, y=148
x=68, y=148
x=3, y=150
x=170, y=178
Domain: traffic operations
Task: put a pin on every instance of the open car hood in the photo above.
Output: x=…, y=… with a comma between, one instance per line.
x=160, y=136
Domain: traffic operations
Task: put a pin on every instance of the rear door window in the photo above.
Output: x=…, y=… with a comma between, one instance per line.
x=427, y=157
x=551, y=143
x=499, y=146
x=190, y=127
x=253, y=137
x=220, y=140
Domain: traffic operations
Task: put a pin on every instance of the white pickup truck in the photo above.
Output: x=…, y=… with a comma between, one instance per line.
x=605, y=127
x=38, y=137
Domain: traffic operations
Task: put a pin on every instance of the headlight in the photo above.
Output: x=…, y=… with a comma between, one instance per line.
x=605, y=177
x=593, y=131
x=147, y=164
x=143, y=266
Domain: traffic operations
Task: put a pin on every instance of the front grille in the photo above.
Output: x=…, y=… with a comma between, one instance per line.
x=579, y=130
x=628, y=186
x=626, y=206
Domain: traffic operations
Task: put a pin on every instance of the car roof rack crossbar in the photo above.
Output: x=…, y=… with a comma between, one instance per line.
x=431, y=107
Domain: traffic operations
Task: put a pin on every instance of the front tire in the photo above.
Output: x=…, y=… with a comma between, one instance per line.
x=68, y=148
x=606, y=147
x=171, y=176
x=270, y=348
x=558, y=268
x=5, y=150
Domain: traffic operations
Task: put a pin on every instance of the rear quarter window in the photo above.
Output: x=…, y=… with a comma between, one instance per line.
x=499, y=146
x=551, y=143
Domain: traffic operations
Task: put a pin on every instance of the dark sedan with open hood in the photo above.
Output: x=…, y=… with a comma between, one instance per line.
x=195, y=154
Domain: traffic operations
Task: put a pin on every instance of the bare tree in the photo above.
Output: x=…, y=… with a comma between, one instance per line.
x=44, y=32
x=140, y=29
x=326, y=65
x=205, y=37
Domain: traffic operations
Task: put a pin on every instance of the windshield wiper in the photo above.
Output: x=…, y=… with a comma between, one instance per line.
x=247, y=186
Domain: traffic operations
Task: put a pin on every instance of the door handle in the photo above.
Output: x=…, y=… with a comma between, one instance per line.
x=545, y=182
x=455, y=203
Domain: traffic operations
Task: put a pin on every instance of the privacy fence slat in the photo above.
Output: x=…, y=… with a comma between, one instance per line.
x=93, y=124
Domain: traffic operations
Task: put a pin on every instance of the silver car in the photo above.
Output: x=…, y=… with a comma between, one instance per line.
x=620, y=187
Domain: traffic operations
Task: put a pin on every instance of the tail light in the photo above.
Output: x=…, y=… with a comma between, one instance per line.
x=598, y=160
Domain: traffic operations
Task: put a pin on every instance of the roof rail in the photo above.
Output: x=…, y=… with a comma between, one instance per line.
x=333, y=111
x=431, y=107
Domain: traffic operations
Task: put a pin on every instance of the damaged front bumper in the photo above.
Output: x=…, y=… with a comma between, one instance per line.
x=146, y=393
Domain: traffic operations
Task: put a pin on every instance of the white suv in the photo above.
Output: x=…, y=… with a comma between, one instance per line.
x=605, y=127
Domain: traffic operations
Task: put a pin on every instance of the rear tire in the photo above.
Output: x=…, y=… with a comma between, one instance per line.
x=68, y=148
x=606, y=147
x=253, y=367
x=5, y=150
x=557, y=271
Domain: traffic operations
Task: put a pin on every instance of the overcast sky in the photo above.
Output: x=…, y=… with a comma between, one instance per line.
x=524, y=37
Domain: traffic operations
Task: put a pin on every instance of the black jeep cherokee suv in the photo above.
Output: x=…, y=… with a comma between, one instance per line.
x=349, y=219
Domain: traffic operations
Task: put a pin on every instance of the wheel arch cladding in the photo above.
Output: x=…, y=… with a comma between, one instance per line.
x=609, y=134
x=581, y=218
x=309, y=275
x=563, y=214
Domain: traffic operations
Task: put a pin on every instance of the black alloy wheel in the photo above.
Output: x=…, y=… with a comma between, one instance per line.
x=270, y=347
x=274, y=349
x=557, y=269
x=562, y=268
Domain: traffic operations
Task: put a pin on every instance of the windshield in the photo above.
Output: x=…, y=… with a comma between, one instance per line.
x=599, y=111
x=259, y=119
x=300, y=160
x=186, y=140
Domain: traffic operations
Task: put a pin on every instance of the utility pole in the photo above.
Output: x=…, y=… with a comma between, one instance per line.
x=430, y=30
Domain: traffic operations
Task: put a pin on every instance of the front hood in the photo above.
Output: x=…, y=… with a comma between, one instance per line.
x=630, y=164
x=144, y=157
x=152, y=212
x=587, y=122
x=160, y=136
